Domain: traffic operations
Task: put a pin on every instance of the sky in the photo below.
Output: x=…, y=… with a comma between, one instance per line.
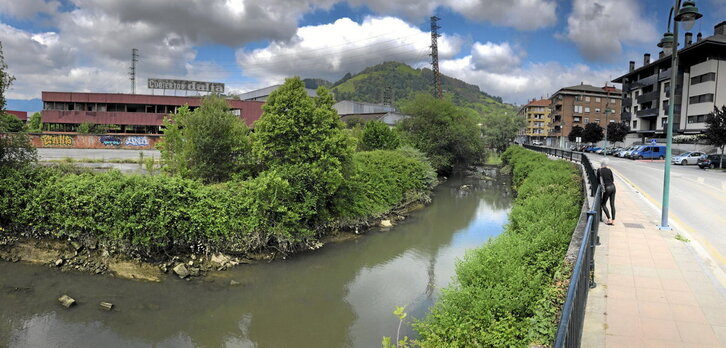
x=515, y=49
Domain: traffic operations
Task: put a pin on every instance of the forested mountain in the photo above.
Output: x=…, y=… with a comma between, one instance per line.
x=393, y=81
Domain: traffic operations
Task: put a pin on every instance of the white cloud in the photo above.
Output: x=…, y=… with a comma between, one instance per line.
x=26, y=9
x=522, y=83
x=330, y=50
x=494, y=57
x=520, y=14
x=600, y=28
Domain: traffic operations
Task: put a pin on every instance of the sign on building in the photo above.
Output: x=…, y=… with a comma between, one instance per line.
x=184, y=85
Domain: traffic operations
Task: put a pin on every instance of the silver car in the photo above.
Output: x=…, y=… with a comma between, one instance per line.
x=687, y=158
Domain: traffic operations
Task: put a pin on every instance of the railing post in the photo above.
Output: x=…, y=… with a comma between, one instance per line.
x=591, y=258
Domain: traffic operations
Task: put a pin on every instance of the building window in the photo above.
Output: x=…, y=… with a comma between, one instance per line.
x=703, y=98
x=578, y=98
x=587, y=99
x=587, y=120
x=597, y=99
x=697, y=118
x=576, y=119
x=597, y=109
x=613, y=101
x=587, y=109
x=578, y=108
x=703, y=78
x=635, y=124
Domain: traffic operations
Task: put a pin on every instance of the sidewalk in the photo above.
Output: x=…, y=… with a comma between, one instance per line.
x=652, y=289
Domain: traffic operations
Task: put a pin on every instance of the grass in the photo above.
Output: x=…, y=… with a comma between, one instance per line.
x=682, y=238
x=494, y=159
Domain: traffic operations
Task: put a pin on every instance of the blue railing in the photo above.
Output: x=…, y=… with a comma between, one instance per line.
x=569, y=331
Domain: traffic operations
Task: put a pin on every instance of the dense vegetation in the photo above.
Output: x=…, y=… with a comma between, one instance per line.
x=505, y=293
x=304, y=176
x=449, y=135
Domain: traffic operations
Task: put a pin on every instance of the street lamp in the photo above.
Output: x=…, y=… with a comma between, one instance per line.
x=688, y=15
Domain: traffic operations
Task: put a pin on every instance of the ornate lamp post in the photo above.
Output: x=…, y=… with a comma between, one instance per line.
x=687, y=15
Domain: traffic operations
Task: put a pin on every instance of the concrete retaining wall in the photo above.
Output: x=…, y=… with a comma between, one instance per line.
x=99, y=141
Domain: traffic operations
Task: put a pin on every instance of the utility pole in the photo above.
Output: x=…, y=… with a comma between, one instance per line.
x=435, y=56
x=132, y=69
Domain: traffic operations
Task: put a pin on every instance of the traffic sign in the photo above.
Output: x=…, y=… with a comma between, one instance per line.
x=653, y=142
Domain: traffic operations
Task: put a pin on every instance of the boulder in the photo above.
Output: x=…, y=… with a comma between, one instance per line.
x=220, y=259
x=386, y=223
x=234, y=283
x=58, y=262
x=66, y=301
x=181, y=271
x=106, y=306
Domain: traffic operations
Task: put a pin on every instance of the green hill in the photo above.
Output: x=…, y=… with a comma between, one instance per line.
x=393, y=81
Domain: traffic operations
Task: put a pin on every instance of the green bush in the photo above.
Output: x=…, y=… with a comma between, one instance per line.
x=151, y=214
x=382, y=179
x=378, y=136
x=505, y=293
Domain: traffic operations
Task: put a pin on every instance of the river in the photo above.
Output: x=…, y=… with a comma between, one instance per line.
x=341, y=295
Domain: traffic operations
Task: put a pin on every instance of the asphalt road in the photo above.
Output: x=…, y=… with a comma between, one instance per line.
x=77, y=154
x=697, y=199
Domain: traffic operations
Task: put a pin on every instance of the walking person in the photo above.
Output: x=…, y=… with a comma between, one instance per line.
x=606, y=179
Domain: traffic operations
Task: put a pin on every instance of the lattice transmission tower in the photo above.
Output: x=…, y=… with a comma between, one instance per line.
x=435, y=56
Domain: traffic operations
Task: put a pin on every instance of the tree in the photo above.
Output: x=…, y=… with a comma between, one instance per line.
x=500, y=129
x=617, y=131
x=35, y=124
x=9, y=123
x=209, y=143
x=716, y=128
x=449, y=135
x=6, y=80
x=592, y=133
x=302, y=140
x=575, y=133
x=16, y=150
x=86, y=128
x=378, y=136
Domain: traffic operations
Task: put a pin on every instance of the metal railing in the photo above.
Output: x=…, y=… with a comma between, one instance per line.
x=569, y=331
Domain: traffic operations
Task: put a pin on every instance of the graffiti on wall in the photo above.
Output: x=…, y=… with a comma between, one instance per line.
x=137, y=141
x=56, y=140
x=110, y=140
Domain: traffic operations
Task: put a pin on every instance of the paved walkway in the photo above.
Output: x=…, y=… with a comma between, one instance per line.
x=653, y=289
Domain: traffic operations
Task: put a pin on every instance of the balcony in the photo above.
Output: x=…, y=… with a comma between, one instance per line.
x=665, y=75
x=652, y=112
x=646, y=97
x=646, y=81
x=627, y=101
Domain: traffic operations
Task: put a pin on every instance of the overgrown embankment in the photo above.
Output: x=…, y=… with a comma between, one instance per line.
x=506, y=293
x=155, y=216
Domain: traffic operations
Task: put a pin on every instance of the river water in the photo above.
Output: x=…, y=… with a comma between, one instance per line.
x=342, y=295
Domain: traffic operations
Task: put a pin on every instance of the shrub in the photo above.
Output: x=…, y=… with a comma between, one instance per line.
x=382, y=179
x=378, y=136
x=504, y=290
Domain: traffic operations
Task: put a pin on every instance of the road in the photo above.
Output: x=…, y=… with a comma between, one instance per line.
x=697, y=199
x=46, y=154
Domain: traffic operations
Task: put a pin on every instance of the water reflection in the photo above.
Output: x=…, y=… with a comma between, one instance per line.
x=341, y=295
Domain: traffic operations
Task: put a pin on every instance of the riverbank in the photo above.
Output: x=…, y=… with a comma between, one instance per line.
x=92, y=253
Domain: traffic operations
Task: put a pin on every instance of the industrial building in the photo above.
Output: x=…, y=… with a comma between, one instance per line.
x=125, y=113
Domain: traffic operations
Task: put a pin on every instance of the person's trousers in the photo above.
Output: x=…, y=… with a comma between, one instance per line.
x=608, y=195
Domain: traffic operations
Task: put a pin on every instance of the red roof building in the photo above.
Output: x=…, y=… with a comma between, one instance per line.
x=22, y=115
x=125, y=113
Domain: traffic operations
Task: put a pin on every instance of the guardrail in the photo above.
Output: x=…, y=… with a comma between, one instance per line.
x=569, y=331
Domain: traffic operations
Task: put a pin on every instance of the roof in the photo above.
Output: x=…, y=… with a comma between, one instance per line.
x=265, y=92
x=591, y=88
x=715, y=40
x=541, y=102
x=22, y=115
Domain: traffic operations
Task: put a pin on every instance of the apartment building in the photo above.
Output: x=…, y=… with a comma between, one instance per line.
x=580, y=105
x=700, y=85
x=537, y=116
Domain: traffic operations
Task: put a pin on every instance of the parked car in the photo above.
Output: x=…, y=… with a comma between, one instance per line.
x=537, y=142
x=611, y=150
x=649, y=152
x=711, y=161
x=687, y=158
x=630, y=151
x=622, y=152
